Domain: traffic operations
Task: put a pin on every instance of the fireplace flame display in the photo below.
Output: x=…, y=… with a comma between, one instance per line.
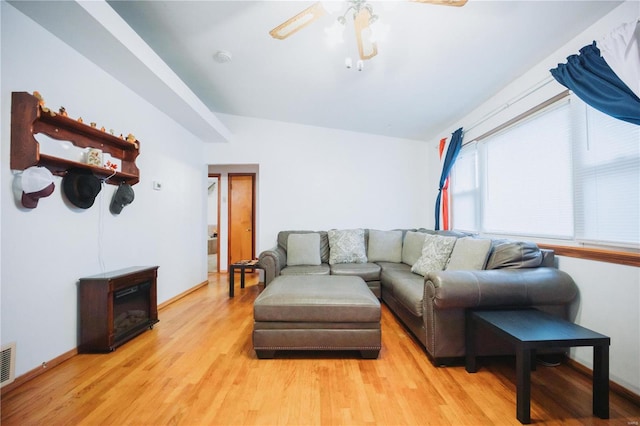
x=128, y=320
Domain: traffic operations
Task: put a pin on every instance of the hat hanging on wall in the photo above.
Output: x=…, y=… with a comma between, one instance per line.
x=81, y=187
x=122, y=197
x=37, y=182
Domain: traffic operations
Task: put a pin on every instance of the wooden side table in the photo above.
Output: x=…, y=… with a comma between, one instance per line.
x=242, y=266
x=529, y=330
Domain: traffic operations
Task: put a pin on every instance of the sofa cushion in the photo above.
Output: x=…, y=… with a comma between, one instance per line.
x=469, y=253
x=514, y=254
x=393, y=271
x=347, y=246
x=412, y=247
x=283, y=239
x=385, y=246
x=303, y=249
x=408, y=289
x=435, y=254
x=366, y=271
x=322, y=269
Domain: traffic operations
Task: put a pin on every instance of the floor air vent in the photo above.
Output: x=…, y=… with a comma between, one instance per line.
x=7, y=364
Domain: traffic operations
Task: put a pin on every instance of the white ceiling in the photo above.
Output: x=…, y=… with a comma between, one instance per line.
x=439, y=62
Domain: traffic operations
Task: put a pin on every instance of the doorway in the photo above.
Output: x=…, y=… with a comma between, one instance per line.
x=241, y=198
x=213, y=221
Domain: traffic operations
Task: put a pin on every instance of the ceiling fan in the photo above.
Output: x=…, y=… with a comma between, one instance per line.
x=363, y=18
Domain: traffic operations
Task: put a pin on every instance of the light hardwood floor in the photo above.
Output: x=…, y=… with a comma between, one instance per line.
x=197, y=367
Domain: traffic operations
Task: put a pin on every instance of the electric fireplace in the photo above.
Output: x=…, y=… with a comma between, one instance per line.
x=116, y=306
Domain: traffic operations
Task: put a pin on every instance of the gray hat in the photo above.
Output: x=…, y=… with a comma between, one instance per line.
x=122, y=197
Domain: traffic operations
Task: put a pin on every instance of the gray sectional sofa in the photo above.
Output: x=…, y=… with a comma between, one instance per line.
x=429, y=278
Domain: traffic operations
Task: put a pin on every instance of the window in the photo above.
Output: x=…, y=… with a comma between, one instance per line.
x=606, y=172
x=564, y=172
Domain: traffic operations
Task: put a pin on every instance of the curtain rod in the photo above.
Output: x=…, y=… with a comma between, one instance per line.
x=518, y=98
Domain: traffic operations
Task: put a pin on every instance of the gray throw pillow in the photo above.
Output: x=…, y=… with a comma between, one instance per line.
x=385, y=246
x=435, y=254
x=514, y=254
x=412, y=247
x=347, y=246
x=303, y=249
x=469, y=254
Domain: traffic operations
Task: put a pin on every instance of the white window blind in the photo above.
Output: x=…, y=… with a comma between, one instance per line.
x=527, y=176
x=566, y=172
x=607, y=178
x=464, y=189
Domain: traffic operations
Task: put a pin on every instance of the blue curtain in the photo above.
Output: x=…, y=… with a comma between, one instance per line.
x=449, y=161
x=589, y=76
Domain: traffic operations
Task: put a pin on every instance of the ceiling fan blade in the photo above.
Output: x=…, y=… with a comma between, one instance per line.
x=298, y=22
x=366, y=47
x=457, y=3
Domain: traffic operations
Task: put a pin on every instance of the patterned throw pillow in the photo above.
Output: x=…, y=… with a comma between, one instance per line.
x=435, y=253
x=347, y=246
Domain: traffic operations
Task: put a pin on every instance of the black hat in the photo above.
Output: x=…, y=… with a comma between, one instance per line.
x=81, y=187
x=122, y=197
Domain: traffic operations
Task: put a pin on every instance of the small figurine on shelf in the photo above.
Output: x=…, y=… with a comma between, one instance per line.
x=63, y=111
x=102, y=129
x=131, y=138
x=93, y=124
x=41, y=103
x=80, y=120
x=112, y=131
x=110, y=165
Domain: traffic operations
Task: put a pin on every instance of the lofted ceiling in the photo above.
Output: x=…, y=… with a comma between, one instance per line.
x=437, y=64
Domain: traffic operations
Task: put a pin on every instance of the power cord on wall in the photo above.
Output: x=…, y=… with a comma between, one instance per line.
x=101, y=223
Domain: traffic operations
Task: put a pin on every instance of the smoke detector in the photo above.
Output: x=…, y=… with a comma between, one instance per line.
x=222, y=56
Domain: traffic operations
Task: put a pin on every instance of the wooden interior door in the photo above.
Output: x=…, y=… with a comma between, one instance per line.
x=241, y=217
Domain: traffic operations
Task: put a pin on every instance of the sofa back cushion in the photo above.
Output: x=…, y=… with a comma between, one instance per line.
x=412, y=247
x=303, y=249
x=469, y=254
x=283, y=240
x=347, y=246
x=384, y=246
x=514, y=254
x=435, y=254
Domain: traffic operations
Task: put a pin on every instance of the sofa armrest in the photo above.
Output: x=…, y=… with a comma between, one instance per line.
x=272, y=261
x=504, y=287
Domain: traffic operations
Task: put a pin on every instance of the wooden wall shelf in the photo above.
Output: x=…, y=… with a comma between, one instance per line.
x=28, y=119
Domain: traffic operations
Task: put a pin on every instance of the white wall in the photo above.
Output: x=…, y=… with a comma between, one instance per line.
x=45, y=251
x=212, y=202
x=609, y=293
x=317, y=178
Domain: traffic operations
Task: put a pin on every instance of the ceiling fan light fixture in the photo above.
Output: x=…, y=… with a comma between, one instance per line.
x=335, y=33
x=298, y=22
x=379, y=30
x=367, y=48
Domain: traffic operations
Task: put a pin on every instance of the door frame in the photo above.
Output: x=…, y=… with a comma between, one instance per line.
x=218, y=178
x=253, y=213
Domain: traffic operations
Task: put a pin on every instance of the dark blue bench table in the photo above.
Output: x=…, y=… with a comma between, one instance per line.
x=529, y=330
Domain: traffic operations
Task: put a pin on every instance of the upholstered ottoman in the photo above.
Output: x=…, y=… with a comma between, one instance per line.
x=316, y=312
